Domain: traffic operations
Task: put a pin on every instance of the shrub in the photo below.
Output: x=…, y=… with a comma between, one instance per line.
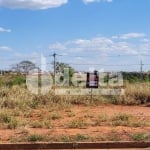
x=66, y=138
x=36, y=124
x=34, y=103
x=81, y=137
x=15, y=80
x=8, y=103
x=77, y=124
x=47, y=124
x=114, y=136
x=140, y=137
x=121, y=119
x=9, y=120
x=55, y=116
x=102, y=118
x=5, y=117
x=12, y=124
x=35, y=137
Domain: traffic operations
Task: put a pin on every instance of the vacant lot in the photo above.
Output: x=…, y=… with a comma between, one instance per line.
x=25, y=117
x=76, y=123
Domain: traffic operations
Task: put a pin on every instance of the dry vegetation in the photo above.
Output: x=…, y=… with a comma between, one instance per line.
x=138, y=93
x=27, y=117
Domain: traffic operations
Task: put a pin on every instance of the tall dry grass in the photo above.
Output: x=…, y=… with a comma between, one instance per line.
x=137, y=93
x=20, y=97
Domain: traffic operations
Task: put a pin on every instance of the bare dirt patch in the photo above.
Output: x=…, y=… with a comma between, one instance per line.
x=81, y=123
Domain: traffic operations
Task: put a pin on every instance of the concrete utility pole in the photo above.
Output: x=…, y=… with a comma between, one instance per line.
x=54, y=55
x=54, y=71
x=141, y=69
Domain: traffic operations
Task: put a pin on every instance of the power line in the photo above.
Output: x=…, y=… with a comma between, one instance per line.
x=126, y=55
x=104, y=64
x=54, y=55
x=106, y=56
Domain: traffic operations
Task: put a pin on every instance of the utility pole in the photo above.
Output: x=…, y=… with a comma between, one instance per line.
x=54, y=55
x=54, y=63
x=141, y=69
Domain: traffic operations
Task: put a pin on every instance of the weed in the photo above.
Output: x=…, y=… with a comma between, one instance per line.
x=5, y=117
x=81, y=137
x=66, y=138
x=34, y=103
x=102, y=138
x=89, y=115
x=35, y=137
x=140, y=137
x=8, y=103
x=36, y=124
x=24, y=131
x=138, y=123
x=55, y=116
x=23, y=123
x=77, y=124
x=101, y=119
x=121, y=119
x=28, y=113
x=113, y=136
x=70, y=114
x=4, y=92
x=12, y=123
x=16, y=112
x=47, y=124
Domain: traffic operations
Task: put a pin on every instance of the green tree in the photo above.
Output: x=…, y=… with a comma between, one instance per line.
x=60, y=67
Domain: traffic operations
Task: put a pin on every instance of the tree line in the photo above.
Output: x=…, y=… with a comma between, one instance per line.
x=25, y=66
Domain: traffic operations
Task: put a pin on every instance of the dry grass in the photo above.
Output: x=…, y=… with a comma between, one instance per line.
x=19, y=107
x=20, y=97
x=137, y=93
x=77, y=123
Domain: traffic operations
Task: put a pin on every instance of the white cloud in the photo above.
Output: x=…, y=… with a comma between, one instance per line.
x=32, y=4
x=40, y=4
x=5, y=48
x=105, y=45
x=103, y=50
x=132, y=35
x=145, y=40
x=91, y=1
x=114, y=37
x=4, y=30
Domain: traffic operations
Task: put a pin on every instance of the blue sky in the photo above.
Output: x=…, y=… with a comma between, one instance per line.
x=85, y=32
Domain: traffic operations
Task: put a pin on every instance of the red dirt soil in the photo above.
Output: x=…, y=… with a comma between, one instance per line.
x=59, y=126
